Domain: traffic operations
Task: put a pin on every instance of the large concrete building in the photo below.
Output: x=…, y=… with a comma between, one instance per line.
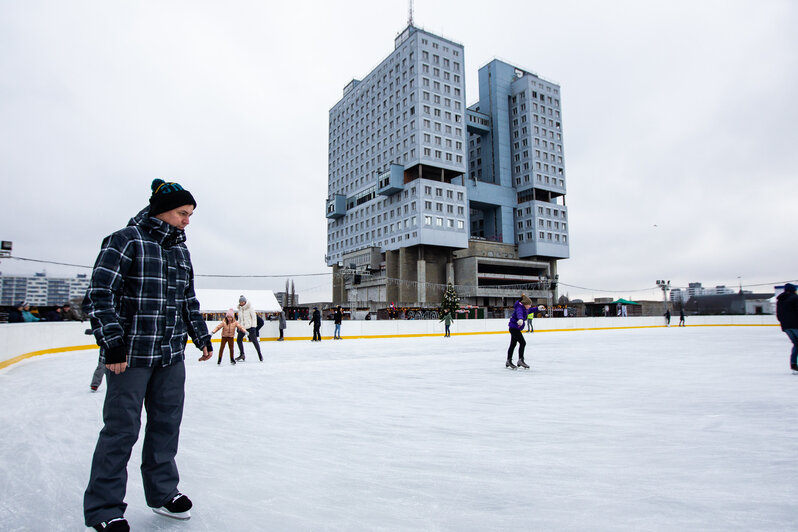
x=38, y=289
x=423, y=191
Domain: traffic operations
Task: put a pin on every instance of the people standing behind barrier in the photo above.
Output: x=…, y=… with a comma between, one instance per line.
x=228, y=326
x=667, y=318
x=517, y=320
x=315, y=321
x=249, y=321
x=69, y=314
x=529, y=327
x=787, y=314
x=142, y=307
x=54, y=315
x=447, y=323
x=281, y=325
x=27, y=316
x=338, y=316
x=681, y=317
x=15, y=314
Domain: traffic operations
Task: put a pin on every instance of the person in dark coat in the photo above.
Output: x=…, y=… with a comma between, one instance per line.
x=15, y=314
x=667, y=318
x=54, y=315
x=681, y=317
x=69, y=314
x=315, y=320
x=787, y=314
x=517, y=322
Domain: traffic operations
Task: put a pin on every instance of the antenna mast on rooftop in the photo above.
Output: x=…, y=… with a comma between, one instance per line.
x=410, y=13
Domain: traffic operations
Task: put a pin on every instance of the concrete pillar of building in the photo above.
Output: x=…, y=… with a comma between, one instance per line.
x=421, y=269
x=450, y=272
x=338, y=286
x=391, y=272
x=506, y=224
x=407, y=274
x=553, y=269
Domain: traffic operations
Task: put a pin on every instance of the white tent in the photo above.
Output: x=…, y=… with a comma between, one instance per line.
x=219, y=300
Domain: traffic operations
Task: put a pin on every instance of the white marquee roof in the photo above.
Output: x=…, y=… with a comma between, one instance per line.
x=219, y=300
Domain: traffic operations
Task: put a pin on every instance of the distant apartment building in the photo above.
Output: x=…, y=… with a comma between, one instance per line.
x=38, y=289
x=423, y=191
x=696, y=289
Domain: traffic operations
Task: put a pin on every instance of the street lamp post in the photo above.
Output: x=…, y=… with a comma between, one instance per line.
x=665, y=285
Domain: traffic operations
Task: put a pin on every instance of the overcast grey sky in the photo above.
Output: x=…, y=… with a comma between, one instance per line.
x=679, y=124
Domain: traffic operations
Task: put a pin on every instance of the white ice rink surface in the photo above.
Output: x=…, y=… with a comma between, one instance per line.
x=653, y=429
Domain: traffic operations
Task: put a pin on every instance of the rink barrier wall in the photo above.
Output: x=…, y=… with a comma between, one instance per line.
x=21, y=341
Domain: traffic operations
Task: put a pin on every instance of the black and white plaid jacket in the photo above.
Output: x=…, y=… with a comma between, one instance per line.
x=141, y=298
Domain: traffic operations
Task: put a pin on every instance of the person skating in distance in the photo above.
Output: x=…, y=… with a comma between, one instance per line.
x=517, y=321
x=787, y=314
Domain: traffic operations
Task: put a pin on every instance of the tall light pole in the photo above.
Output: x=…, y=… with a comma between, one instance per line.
x=665, y=285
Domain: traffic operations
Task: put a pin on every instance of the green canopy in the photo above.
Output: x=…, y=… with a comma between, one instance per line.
x=624, y=302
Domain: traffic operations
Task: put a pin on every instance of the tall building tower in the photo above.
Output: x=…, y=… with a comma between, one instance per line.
x=396, y=205
x=516, y=168
x=424, y=192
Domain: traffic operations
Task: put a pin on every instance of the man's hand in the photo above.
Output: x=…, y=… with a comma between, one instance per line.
x=117, y=368
x=205, y=354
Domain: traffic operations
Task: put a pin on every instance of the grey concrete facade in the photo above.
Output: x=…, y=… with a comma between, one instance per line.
x=423, y=192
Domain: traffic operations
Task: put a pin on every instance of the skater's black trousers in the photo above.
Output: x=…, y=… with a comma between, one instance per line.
x=516, y=337
x=252, y=334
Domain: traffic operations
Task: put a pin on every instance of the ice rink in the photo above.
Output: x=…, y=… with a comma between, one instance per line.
x=651, y=429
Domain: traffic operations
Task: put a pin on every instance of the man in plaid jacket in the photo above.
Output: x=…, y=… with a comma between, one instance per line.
x=142, y=308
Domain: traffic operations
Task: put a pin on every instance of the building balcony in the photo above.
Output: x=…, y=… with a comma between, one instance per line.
x=392, y=181
x=336, y=206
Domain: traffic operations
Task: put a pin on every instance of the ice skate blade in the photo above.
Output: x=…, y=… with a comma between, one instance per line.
x=183, y=516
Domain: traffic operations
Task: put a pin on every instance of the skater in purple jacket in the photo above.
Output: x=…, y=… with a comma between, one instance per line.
x=517, y=321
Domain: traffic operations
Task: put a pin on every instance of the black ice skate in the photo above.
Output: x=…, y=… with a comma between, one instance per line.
x=177, y=508
x=117, y=524
x=509, y=364
x=522, y=364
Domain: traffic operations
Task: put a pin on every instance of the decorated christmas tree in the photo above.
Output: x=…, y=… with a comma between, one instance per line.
x=450, y=301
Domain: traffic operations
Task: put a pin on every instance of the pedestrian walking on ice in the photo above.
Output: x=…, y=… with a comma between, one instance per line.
x=228, y=326
x=787, y=314
x=517, y=321
x=142, y=308
x=667, y=318
x=681, y=317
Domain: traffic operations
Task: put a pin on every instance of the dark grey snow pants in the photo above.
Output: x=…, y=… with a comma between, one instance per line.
x=161, y=391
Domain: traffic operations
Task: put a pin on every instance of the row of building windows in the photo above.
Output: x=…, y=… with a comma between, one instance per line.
x=541, y=179
x=542, y=224
x=543, y=235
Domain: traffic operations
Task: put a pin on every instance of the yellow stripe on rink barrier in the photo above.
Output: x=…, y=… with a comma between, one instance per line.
x=20, y=358
x=53, y=350
x=537, y=331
